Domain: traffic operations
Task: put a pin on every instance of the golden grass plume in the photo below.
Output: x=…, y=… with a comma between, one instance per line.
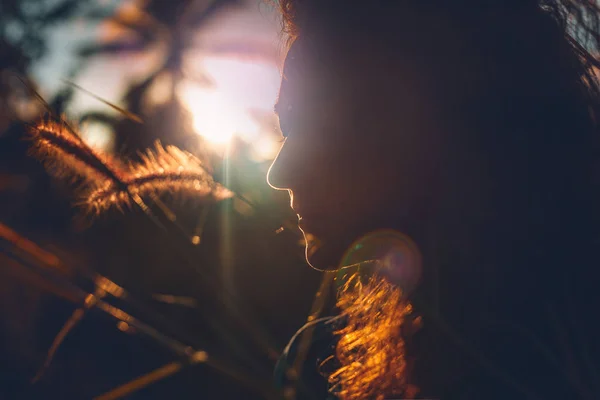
x=66, y=155
x=107, y=182
x=161, y=170
x=371, y=350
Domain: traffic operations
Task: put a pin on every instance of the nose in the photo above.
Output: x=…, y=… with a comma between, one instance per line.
x=277, y=177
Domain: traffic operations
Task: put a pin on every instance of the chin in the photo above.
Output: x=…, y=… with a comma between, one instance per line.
x=319, y=261
x=323, y=254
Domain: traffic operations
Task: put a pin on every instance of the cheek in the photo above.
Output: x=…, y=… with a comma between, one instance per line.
x=370, y=182
x=374, y=180
x=358, y=177
x=361, y=172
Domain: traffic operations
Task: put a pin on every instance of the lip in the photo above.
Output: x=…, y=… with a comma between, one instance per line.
x=309, y=220
x=306, y=221
x=301, y=221
x=307, y=226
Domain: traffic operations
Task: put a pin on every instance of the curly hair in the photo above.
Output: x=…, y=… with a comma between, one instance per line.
x=371, y=349
x=579, y=20
x=583, y=15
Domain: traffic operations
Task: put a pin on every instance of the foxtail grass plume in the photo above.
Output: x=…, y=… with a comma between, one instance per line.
x=161, y=170
x=66, y=155
x=110, y=183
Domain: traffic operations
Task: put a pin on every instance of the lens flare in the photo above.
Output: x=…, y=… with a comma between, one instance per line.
x=391, y=254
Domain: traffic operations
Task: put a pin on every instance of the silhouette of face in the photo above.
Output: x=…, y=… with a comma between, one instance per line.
x=358, y=151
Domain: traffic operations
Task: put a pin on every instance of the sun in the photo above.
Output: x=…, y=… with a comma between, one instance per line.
x=240, y=87
x=214, y=117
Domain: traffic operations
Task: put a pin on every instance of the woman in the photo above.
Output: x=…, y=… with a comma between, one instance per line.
x=468, y=131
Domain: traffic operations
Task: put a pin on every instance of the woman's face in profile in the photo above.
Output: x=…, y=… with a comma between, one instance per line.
x=357, y=155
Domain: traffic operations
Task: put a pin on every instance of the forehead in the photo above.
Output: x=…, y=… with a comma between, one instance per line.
x=294, y=54
x=290, y=77
x=320, y=71
x=310, y=73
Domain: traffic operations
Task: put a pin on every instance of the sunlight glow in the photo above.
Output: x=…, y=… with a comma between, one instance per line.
x=214, y=117
x=240, y=87
x=251, y=84
x=265, y=148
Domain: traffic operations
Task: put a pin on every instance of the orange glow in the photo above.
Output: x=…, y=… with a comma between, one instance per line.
x=123, y=326
x=128, y=12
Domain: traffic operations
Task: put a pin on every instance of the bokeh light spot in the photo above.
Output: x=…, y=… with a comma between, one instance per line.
x=397, y=258
x=98, y=136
